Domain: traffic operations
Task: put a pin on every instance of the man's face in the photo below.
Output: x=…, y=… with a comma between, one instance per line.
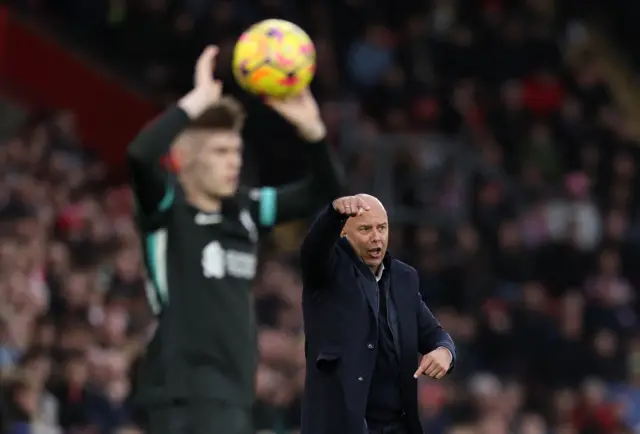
x=217, y=162
x=368, y=235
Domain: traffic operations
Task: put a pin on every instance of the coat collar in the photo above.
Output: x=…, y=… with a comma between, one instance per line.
x=370, y=294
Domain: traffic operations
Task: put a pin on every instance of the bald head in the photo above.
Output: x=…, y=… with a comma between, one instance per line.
x=368, y=233
x=375, y=209
x=373, y=202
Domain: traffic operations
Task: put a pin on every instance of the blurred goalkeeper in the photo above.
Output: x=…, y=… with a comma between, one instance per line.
x=200, y=232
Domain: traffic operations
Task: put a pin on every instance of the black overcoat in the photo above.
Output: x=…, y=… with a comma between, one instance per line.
x=340, y=321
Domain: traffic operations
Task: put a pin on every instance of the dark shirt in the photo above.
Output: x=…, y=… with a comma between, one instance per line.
x=201, y=266
x=384, y=404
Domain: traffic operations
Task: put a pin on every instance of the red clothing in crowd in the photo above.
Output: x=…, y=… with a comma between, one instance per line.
x=543, y=94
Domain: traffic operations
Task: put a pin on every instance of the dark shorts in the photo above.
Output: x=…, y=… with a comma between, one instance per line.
x=199, y=417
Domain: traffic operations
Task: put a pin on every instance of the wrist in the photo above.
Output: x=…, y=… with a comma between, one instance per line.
x=195, y=103
x=448, y=351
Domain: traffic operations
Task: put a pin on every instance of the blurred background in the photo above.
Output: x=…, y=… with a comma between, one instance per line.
x=502, y=135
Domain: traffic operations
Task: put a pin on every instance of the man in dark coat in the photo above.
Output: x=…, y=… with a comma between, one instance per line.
x=365, y=324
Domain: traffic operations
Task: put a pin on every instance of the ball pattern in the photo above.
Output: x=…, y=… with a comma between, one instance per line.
x=274, y=58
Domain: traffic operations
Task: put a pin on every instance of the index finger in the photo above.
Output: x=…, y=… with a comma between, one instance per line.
x=362, y=204
x=425, y=363
x=360, y=208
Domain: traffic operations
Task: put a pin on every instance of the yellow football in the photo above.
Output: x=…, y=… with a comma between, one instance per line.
x=274, y=58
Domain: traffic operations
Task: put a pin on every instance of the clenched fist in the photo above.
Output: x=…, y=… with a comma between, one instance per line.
x=435, y=364
x=350, y=205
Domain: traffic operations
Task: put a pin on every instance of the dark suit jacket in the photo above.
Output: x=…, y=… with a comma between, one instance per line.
x=340, y=320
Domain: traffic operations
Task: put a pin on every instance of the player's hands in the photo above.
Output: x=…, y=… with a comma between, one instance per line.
x=350, y=205
x=303, y=113
x=207, y=90
x=435, y=364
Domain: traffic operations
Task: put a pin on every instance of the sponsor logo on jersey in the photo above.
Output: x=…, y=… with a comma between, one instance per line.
x=217, y=262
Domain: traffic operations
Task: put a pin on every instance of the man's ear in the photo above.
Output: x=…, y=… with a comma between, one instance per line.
x=178, y=152
x=183, y=150
x=174, y=159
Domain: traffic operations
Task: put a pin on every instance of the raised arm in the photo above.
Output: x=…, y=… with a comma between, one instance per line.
x=146, y=151
x=317, y=253
x=144, y=156
x=301, y=199
x=325, y=181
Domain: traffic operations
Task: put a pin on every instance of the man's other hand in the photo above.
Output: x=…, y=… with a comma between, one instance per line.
x=435, y=364
x=303, y=113
x=350, y=205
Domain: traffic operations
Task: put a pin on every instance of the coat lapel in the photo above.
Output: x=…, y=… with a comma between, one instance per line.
x=364, y=277
x=370, y=289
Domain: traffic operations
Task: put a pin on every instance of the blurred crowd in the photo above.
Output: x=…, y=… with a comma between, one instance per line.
x=531, y=266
